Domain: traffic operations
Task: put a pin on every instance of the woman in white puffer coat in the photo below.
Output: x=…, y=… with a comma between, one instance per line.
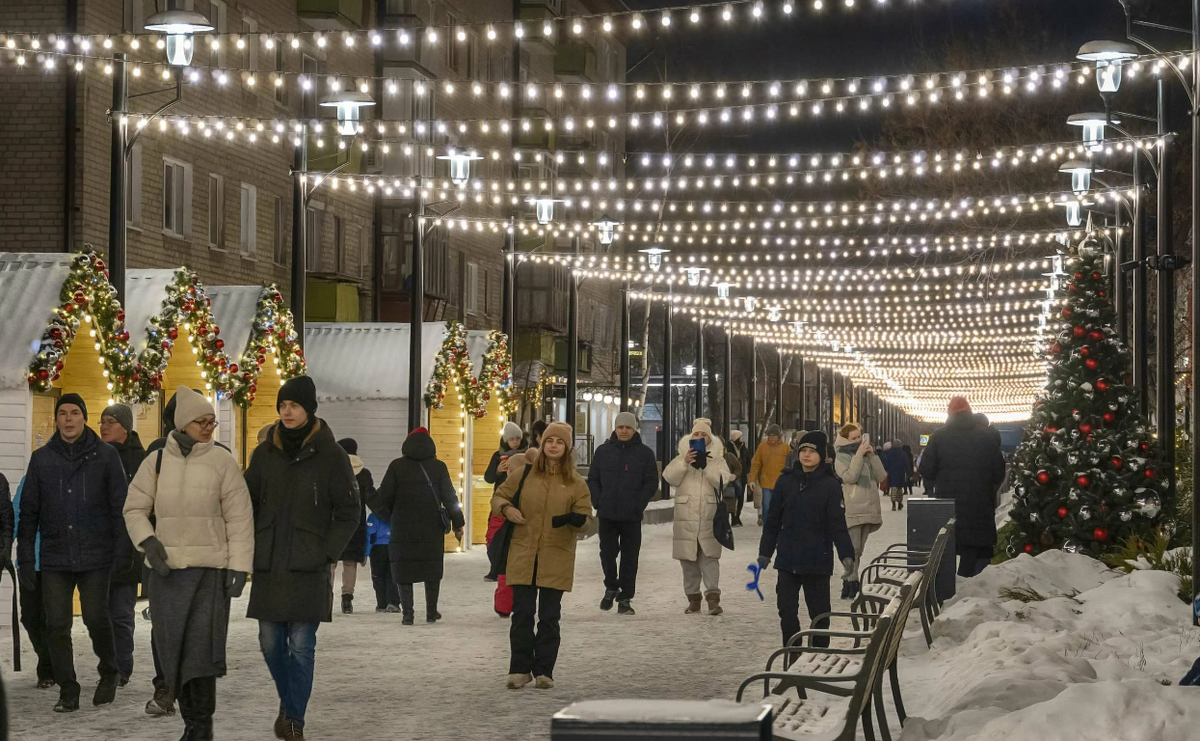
x=861, y=473
x=697, y=493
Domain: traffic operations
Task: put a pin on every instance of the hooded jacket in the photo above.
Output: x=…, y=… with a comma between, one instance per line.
x=963, y=462
x=807, y=520
x=306, y=508
x=414, y=488
x=897, y=465
x=622, y=478
x=73, y=497
x=861, y=476
x=697, y=492
x=356, y=549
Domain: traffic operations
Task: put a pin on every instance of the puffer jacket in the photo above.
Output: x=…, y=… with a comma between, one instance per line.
x=807, y=520
x=538, y=542
x=861, y=476
x=201, y=507
x=623, y=478
x=697, y=492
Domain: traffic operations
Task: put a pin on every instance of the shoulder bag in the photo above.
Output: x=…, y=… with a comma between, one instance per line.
x=498, y=548
x=443, y=515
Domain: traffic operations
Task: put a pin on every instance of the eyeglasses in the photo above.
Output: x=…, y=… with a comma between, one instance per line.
x=206, y=424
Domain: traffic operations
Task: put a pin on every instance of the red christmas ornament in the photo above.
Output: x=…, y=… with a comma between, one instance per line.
x=1149, y=472
x=1116, y=461
x=1085, y=428
x=1066, y=312
x=1062, y=512
x=1084, y=352
x=1083, y=480
x=1056, y=348
x=1029, y=547
x=121, y=315
x=1091, y=363
x=1109, y=418
x=166, y=344
x=220, y=344
x=1078, y=331
x=1049, y=430
x=1043, y=477
x=1095, y=335
x=1101, y=385
x=173, y=333
x=43, y=374
x=233, y=368
x=69, y=308
x=1100, y=534
x=1079, y=276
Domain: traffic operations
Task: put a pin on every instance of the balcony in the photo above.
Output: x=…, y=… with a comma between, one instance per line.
x=331, y=15
x=327, y=156
x=575, y=61
x=542, y=303
x=533, y=19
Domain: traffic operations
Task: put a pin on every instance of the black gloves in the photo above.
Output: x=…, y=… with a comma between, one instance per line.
x=574, y=519
x=763, y=561
x=235, y=582
x=156, y=554
x=29, y=576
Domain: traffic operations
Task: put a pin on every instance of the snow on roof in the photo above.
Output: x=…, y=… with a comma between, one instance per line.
x=366, y=360
x=234, y=309
x=145, y=290
x=29, y=288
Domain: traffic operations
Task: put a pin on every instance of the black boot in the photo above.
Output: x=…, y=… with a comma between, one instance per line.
x=347, y=604
x=610, y=596
x=106, y=690
x=845, y=589
x=68, y=700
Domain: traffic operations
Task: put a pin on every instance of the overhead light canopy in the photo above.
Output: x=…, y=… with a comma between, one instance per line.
x=349, y=104
x=179, y=26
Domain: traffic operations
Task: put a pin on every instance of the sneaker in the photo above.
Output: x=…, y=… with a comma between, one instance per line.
x=503, y=614
x=123, y=681
x=491, y=577
x=518, y=681
x=281, y=725
x=347, y=604
x=760, y=520
x=106, y=690
x=407, y=619
x=392, y=608
x=845, y=589
x=624, y=608
x=381, y=609
x=294, y=731
x=610, y=595
x=160, y=705
x=544, y=683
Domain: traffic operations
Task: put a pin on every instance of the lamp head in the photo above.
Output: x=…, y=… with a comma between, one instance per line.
x=1081, y=175
x=349, y=104
x=1110, y=57
x=179, y=26
x=606, y=227
x=460, y=166
x=654, y=256
x=1093, y=127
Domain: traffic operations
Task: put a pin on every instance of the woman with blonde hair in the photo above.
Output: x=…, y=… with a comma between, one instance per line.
x=861, y=473
x=699, y=481
x=548, y=502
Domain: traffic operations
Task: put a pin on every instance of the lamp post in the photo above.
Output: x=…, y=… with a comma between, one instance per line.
x=624, y=351
x=727, y=386
x=700, y=368
x=752, y=419
x=779, y=386
x=668, y=432
x=572, y=338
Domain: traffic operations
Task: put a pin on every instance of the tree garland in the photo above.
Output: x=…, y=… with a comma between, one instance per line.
x=453, y=365
x=186, y=303
x=86, y=292
x=272, y=331
x=496, y=375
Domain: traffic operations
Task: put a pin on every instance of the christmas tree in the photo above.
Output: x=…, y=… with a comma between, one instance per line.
x=1089, y=473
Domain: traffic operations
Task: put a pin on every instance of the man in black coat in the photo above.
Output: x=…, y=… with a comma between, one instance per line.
x=73, y=496
x=355, y=551
x=963, y=462
x=116, y=429
x=806, y=521
x=622, y=478
x=306, y=509
x=739, y=448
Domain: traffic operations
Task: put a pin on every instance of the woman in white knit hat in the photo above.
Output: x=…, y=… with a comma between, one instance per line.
x=512, y=441
x=200, y=549
x=699, y=483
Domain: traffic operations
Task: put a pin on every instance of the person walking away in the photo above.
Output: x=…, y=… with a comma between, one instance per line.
x=698, y=482
x=768, y=462
x=356, y=550
x=734, y=464
x=387, y=594
x=200, y=548
x=415, y=491
x=306, y=509
x=963, y=462
x=861, y=473
x=116, y=429
x=622, y=479
x=512, y=441
x=738, y=443
x=554, y=506
x=33, y=613
x=912, y=470
x=806, y=522
x=896, y=465
x=74, y=490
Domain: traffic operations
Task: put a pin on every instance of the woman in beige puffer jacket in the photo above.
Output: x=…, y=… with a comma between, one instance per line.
x=861, y=472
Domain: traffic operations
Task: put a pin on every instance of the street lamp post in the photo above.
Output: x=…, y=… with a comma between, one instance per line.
x=572, y=338
x=779, y=386
x=727, y=386
x=700, y=368
x=624, y=350
x=668, y=447
x=753, y=414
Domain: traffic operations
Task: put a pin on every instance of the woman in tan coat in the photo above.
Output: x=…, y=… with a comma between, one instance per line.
x=698, y=488
x=554, y=505
x=861, y=473
x=200, y=547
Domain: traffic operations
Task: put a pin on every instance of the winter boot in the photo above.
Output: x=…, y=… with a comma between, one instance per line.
x=160, y=704
x=609, y=596
x=518, y=681
x=45, y=684
x=714, y=603
x=693, y=607
x=845, y=590
x=503, y=615
x=432, y=616
x=408, y=618
x=201, y=730
x=68, y=700
x=294, y=731
x=106, y=690
x=347, y=604
x=853, y=588
x=281, y=725
x=624, y=608
x=544, y=683
x=760, y=520
x=392, y=608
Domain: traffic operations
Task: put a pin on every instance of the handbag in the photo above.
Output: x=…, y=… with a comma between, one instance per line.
x=443, y=515
x=722, y=528
x=498, y=549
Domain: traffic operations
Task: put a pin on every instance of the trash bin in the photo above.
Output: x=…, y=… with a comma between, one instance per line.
x=662, y=720
x=925, y=518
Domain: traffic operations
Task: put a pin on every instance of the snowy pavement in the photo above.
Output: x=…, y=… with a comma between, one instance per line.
x=377, y=679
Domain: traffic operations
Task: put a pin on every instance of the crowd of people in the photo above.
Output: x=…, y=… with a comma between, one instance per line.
x=97, y=514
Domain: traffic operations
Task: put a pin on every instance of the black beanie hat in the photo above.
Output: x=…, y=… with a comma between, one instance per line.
x=75, y=399
x=817, y=440
x=301, y=390
x=349, y=445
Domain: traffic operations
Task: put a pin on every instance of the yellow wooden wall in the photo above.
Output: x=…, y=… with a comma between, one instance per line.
x=485, y=440
x=447, y=427
x=83, y=374
x=261, y=412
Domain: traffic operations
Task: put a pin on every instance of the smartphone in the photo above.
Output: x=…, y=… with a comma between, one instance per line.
x=866, y=438
x=698, y=445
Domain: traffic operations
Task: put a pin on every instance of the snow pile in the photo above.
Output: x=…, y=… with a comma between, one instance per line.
x=1088, y=661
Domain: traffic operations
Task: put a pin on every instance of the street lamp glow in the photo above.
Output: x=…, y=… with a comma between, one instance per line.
x=1093, y=128
x=606, y=228
x=723, y=289
x=1081, y=175
x=689, y=370
x=654, y=256
x=179, y=26
x=348, y=104
x=773, y=313
x=1110, y=58
x=1074, y=213
x=544, y=209
x=750, y=302
x=460, y=166
x=693, y=276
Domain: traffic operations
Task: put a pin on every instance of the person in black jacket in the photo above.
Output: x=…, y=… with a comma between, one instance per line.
x=963, y=462
x=622, y=479
x=116, y=429
x=355, y=552
x=74, y=492
x=807, y=520
x=737, y=445
x=306, y=509
x=7, y=523
x=414, y=489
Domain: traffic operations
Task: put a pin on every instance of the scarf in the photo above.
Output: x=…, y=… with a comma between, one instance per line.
x=186, y=442
x=292, y=440
x=864, y=478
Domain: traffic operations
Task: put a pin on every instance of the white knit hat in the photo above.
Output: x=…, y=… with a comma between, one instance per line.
x=702, y=425
x=189, y=407
x=511, y=430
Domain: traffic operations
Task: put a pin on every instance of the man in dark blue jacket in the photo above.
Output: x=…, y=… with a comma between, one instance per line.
x=807, y=519
x=73, y=496
x=623, y=478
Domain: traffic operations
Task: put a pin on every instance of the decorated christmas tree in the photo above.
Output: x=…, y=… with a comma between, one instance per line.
x=1089, y=473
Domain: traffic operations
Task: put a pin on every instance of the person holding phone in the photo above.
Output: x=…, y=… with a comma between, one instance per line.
x=861, y=473
x=699, y=475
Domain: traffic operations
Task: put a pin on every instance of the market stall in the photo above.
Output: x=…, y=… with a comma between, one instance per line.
x=498, y=402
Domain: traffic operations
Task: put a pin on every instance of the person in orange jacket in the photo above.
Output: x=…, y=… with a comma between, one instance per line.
x=768, y=462
x=511, y=442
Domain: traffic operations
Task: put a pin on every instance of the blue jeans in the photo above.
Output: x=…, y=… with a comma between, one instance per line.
x=766, y=501
x=290, y=650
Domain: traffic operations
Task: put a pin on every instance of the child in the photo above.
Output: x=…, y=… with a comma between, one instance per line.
x=806, y=520
x=387, y=594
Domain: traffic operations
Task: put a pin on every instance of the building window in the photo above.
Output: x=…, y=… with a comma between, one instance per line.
x=251, y=41
x=471, y=289
x=134, y=16
x=249, y=230
x=339, y=245
x=219, y=16
x=314, y=223
x=177, y=198
x=364, y=254
x=310, y=68
x=133, y=186
x=279, y=251
x=280, y=82
x=216, y=212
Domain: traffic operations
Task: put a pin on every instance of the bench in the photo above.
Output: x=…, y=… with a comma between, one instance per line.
x=883, y=577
